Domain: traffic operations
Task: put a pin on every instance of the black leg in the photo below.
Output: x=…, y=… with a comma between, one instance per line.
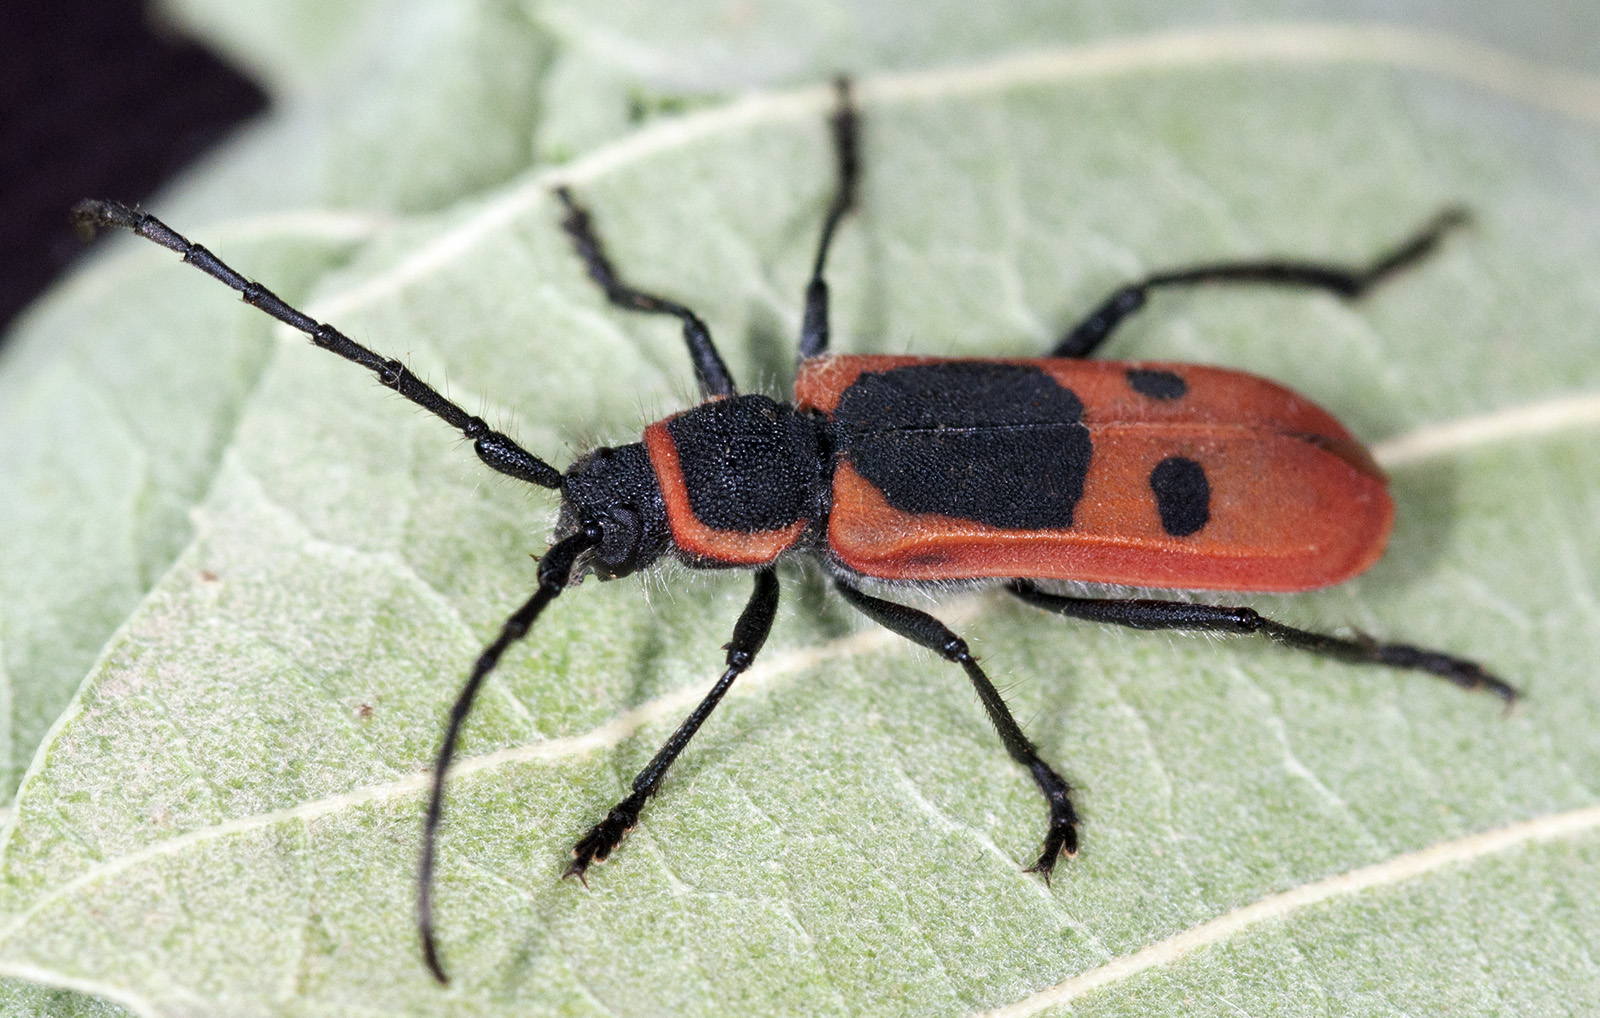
x=554, y=570
x=749, y=633
x=494, y=448
x=709, y=370
x=1348, y=282
x=814, y=328
x=921, y=628
x=1152, y=614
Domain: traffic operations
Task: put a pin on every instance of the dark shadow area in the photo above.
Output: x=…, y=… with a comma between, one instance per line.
x=95, y=101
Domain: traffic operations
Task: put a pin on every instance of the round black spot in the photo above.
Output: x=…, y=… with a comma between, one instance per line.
x=1183, y=496
x=1156, y=384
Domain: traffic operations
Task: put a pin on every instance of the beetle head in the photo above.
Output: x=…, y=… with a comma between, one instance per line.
x=615, y=488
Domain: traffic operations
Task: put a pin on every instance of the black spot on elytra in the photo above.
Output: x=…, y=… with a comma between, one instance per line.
x=1156, y=384
x=1183, y=495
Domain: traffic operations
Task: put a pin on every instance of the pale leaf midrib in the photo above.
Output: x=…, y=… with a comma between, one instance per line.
x=1390, y=872
x=666, y=707
x=41, y=976
x=1529, y=420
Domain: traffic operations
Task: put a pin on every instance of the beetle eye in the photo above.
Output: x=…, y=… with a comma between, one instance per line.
x=622, y=532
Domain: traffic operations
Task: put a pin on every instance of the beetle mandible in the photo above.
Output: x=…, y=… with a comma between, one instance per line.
x=907, y=470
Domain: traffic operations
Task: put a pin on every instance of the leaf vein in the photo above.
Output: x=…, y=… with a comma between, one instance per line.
x=762, y=675
x=1568, y=92
x=1390, y=872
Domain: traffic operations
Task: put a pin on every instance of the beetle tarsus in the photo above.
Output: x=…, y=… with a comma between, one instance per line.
x=1468, y=675
x=1062, y=835
x=602, y=839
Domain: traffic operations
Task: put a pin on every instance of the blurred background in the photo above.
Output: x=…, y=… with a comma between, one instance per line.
x=95, y=100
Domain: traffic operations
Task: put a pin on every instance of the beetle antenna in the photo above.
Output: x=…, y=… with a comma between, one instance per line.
x=554, y=569
x=493, y=447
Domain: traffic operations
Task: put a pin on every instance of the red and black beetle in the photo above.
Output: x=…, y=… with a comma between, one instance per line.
x=906, y=470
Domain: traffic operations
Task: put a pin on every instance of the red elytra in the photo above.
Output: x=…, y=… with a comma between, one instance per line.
x=1296, y=503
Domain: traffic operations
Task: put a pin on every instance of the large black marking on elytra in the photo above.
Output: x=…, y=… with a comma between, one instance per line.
x=1183, y=495
x=999, y=444
x=750, y=463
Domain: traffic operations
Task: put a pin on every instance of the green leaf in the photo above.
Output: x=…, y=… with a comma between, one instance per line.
x=120, y=392
x=225, y=820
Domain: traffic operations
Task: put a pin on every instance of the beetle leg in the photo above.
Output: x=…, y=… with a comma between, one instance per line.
x=1346, y=281
x=921, y=628
x=814, y=327
x=709, y=370
x=749, y=633
x=1153, y=614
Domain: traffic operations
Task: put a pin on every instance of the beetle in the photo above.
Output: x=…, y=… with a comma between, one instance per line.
x=909, y=470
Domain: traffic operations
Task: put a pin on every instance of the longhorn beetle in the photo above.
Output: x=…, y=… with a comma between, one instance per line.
x=908, y=470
